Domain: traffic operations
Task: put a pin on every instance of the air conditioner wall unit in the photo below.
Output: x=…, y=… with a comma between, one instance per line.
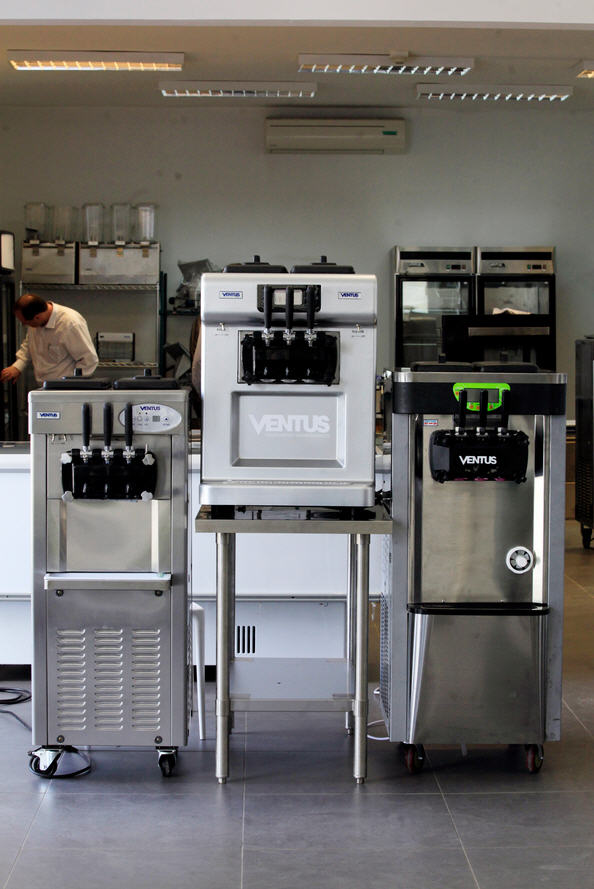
x=331, y=136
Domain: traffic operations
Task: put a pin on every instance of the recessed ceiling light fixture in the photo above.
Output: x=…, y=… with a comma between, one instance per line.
x=443, y=92
x=81, y=60
x=383, y=64
x=236, y=89
x=586, y=69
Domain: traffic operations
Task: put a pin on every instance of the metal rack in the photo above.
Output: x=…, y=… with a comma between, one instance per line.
x=292, y=684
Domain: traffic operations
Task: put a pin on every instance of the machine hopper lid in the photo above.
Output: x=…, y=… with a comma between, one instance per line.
x=256, y=266
x=323, y=267
x=441, y=367
x=77, y=382
x=512, y=367
x=146, y=382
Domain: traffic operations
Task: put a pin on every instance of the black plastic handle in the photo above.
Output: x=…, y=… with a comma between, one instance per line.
x=504, y=409
x=128, y=424
x=463, y=409
x=86, y=425
x=310, y=306
x=107, y=423
x=289, y=306
x=268, y=294
x=483, y=405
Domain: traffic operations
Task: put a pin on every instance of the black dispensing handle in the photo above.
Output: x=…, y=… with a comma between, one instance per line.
x=128, y=425
x=107, y=423
x=289, y=306
x=504, y=410
x=268, y=294
x=483, y=405
x=463, y=409
x=310, y=306
x=86, y=425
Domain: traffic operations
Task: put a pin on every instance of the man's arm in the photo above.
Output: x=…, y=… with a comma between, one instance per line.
x=77, y=340
x=23, y=357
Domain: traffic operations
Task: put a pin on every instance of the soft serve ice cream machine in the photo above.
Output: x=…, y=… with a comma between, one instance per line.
x=288, y=388
x=110, y=568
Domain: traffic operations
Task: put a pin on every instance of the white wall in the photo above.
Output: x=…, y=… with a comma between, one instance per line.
x=494, y=178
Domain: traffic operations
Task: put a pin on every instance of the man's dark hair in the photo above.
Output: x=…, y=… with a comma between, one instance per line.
x=30, y=305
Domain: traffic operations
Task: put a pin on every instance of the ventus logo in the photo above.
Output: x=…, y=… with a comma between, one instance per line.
x=296, y=424
x=471, y=460
x=348, y=294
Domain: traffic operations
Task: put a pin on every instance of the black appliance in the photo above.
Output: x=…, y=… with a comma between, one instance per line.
x=584, y=437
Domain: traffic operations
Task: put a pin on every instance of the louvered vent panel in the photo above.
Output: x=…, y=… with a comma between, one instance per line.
x=245, y=639
x=584, y=492
x=109, y=679
x=146, y=680
x=71, y=680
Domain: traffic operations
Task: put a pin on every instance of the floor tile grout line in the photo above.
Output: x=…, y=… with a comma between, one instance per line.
x=574, y=714
x=578, y=584
x=474, y=876
x=21, y=847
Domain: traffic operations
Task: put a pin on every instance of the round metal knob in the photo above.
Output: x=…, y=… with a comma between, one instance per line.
x=519, y=560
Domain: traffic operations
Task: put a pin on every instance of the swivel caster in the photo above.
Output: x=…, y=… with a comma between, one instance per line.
x=414, y=758
x=44, y=761
x=534, y=757
x=167, y=761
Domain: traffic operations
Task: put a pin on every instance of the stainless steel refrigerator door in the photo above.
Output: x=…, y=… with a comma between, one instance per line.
x=476, y=678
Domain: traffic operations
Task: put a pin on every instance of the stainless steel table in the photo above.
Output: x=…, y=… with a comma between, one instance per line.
x=308, y=684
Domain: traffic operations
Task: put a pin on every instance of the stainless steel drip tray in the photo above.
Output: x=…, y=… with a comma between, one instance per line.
x=108, y=535
x=476, y=673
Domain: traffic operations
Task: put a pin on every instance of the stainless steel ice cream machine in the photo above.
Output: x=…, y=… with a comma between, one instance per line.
x=288, y=388
x=471, y=630
x=109, y=482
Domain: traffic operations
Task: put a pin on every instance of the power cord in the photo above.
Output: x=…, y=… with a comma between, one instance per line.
x=376, y=692
x=19, y=696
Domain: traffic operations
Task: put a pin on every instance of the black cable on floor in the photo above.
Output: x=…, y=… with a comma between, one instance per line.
x=19, y=696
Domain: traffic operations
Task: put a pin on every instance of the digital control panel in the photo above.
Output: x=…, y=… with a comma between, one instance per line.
x=152, y=418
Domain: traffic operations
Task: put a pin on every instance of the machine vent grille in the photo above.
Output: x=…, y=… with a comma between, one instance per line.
x=245, y=639
x=109, y=679
x=385, y=665
x=584, y=493
x=146, y=680
x=71, y=685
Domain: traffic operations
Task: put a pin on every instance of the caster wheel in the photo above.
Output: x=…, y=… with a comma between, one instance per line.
x=414, y=758
x=586, y=536
x=534, y=758
x=167, y=764
x=35, y=766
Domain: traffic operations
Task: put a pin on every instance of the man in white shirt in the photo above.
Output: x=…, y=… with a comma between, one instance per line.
x=57, y=342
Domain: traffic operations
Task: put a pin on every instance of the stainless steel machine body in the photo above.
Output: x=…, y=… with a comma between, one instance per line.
x=288, y=389
x=584, y=437
x=119, y=264
x=110, y=611
x=472, y=607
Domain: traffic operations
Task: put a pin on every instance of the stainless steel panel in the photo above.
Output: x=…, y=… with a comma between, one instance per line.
x=476, y=679
x=429, y=261
x=467, y=530
x=109, y=666
x=131, y=264
x=109, y=535
x=48, y=263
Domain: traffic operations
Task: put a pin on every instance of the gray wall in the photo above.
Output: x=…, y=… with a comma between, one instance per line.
x=521, y=176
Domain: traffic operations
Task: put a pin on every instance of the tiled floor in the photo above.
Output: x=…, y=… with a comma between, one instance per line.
x=292, y=817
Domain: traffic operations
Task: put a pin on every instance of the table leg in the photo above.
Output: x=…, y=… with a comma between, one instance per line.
x=361, y=653
x=225, y=603
x=350, y=617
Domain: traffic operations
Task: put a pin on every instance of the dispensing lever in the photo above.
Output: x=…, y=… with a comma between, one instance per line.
x=461, y=424
x=483, y=407
x=310, y=310
x=289, y=333
x=85, y=451
x=107, y=452
x=504, y=418
x=268, y=297
x=128, y=433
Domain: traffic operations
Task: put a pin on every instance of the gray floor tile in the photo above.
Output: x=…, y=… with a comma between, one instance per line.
x=554, y=867
x=17, y=812
x=344, y=869
x=520, y=819
x=331, y=772
x=192, y=867
x=297, y=732
x=354, y=820
x=137, y=822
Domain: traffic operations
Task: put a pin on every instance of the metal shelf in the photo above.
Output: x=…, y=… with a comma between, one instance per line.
x=116, y=288
x=299, y=684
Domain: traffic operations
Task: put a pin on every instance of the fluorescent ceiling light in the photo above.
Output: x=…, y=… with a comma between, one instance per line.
x=57, y=60
x=586, y=69
x=237, y=89
x=383, y=64
x=442, y=92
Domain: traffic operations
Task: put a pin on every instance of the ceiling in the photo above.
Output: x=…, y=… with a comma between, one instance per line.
x=255, y=53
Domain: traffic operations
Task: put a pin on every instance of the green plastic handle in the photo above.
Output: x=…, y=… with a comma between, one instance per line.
x=490, y=387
